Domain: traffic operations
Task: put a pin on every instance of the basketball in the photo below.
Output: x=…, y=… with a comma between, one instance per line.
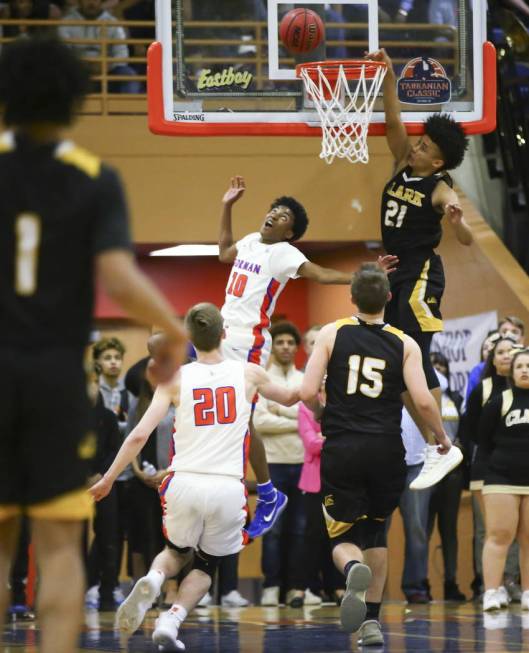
x=301, y=30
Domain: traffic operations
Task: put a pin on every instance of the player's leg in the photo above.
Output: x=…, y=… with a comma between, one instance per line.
x=502, y=517
x=61, y=586
x=9, y=532
x=523, y=541
x=166, y=564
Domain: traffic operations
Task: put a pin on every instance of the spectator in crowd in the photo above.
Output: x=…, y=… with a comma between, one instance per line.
x=476, y=373
x=309, y=338
x=108, y=356
x=30, y=10
x=321, y=572
x=504, y=440
x=145, y=537
x=93, y=10
x=493, y=383
x=102, y=559
x=414, y=505
x=278, y=427
x=446, y=496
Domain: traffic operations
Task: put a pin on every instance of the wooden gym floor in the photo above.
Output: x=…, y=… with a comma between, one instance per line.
x=438, y=627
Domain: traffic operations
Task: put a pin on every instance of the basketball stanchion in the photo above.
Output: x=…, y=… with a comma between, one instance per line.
x=345, y=109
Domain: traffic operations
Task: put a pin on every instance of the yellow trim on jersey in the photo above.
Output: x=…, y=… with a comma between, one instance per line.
x=9, y=511
x=7, y=142
x=394, y=331
x=73, y=506
x=506, y=401
x=336, y=528
x=424, y=316
x=487, y=390
x=87, y=162
x=346, y=321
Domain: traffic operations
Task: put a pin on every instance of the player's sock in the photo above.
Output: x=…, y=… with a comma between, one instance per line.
x=348, y=566
x=266, y=491
x=373, y=611
x=178, y=612
x=157, y=577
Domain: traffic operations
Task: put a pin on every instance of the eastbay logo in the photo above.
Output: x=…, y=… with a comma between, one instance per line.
x=226, y=77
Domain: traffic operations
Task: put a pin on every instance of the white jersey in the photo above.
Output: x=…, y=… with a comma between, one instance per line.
x=211, y=422
x=257, y=278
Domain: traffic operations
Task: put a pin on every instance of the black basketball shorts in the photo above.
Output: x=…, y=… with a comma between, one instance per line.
x=45, y=439
x=417, y=289
x=362, y=476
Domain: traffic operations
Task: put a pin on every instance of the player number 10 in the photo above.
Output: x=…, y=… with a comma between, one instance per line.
x=237, y=284
x=369, y=368
x=392, y=208
x=27, y=237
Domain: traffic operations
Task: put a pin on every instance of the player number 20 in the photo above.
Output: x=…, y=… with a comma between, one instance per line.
x=369, y=369
x=394, y=209
x=27, y=239
x=215, y=407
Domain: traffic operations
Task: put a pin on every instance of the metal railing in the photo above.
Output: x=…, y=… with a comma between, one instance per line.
x=206, y=45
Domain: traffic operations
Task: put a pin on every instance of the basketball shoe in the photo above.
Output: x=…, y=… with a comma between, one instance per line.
x=132, y=611
x=436, y=466
x=165, y=633
x=370, y=634
x=353, y=608
x=266, y=514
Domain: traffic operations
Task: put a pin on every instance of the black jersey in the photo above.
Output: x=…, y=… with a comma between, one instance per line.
x=364, y=380
x=486, y=390
x=410, y=224
x=60, y=207
x=504, y=434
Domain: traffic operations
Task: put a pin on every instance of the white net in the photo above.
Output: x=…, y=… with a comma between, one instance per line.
x=344, y=107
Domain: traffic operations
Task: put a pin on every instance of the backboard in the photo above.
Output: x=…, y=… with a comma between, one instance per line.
x=220, y=68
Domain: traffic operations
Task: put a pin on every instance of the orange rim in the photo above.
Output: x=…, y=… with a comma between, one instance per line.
x=351, y=67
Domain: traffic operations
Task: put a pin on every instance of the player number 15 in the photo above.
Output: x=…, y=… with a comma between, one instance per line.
x=369, y=369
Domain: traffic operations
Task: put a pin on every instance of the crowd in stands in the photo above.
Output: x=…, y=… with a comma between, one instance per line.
x=296, y=560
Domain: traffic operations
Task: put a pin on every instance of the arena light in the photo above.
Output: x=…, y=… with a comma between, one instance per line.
x=187, y=250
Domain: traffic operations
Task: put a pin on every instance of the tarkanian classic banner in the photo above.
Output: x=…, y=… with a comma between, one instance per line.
x=461, y=343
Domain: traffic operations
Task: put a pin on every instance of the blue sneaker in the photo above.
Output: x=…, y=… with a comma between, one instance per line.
x=266, y=515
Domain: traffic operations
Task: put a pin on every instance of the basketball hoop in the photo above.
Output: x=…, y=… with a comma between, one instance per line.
x=344, y=109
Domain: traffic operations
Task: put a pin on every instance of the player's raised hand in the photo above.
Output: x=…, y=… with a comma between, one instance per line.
x=101, y=489
x=388, y=263
x=235, y=191
x=454, y=213
x=380, y=55
x=166, y=357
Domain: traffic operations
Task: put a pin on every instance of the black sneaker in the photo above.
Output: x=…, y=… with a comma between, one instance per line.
x=453, y=593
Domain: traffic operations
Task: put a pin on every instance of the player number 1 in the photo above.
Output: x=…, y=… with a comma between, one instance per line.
x=392, y=208
x=27, y=234
x=369, y=368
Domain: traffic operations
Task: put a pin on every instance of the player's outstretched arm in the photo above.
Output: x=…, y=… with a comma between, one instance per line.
x=131, y=289
x=227, y=248
x=316, y=272
x=135, y=441
x=317, y=366
x=260, y=382
x=396, y=134
x=447, y=201
x=421, y=396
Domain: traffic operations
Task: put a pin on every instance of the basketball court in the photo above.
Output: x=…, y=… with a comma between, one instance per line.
x=440, y=627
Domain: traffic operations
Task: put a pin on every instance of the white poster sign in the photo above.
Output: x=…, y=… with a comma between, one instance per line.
x=461, y=343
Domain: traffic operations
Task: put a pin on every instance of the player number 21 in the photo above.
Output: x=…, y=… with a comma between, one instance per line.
x=392, y=209
x=369, y=369
x=27, y=239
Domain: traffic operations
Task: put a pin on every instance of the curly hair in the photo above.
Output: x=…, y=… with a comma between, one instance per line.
x=282, y=328
x=41, y=81
x=105, y=344
x=449, y=137
x=301, y=220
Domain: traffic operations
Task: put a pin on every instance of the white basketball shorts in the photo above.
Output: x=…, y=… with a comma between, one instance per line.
x=204, y=511
x=246, y=346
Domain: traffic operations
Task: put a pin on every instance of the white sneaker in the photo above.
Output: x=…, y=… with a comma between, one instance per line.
x=491, y=600
x=496, y=620
x=525, y=600
x=270, y=596
x=205, y=601
x=234, y=600
x=436, y=466
x=503, y=596
x=165, y=633
x=353, y=608
x=132, y=611
x=312, y=599
x=91, y=597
